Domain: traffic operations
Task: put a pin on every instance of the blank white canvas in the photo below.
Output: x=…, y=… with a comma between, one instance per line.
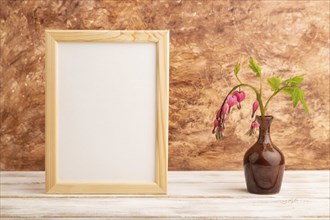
x=106, y=112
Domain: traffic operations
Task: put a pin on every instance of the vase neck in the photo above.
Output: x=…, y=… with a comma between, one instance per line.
x=264, y=129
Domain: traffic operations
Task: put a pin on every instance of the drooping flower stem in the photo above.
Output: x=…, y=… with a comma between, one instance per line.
x=263, y=108
x=289, y=86
x=258, y=94
x=249, y=86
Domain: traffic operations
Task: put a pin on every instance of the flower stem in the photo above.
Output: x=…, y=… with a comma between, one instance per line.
x=242, y=85
x=274, y=94
x=261, y=106
x=258, y=94
x=238, y=79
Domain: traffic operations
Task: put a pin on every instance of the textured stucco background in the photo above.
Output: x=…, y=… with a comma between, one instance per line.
x=207, y=39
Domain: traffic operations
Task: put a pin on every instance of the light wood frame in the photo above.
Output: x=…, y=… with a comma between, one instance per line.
x=161, y=38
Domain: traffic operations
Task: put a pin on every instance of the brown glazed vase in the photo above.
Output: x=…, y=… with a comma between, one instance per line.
x=264, y=162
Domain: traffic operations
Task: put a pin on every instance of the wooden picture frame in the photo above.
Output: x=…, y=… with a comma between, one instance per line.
x=63, y=103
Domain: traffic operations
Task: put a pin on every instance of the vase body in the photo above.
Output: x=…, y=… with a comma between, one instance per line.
x=264, y=162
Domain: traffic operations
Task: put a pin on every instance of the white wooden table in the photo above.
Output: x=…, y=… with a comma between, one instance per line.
x=192, y=195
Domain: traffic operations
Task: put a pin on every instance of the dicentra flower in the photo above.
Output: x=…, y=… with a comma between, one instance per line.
x=218, y=115
x=255, y=125
x=235, y=96
x=219, y=131
x=231, y=100
x=253, y=128
x=215, y=125
x=224, y=109
x=240, y=96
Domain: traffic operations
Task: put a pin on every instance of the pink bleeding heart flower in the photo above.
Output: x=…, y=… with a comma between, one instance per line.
x=220, y=118
x=231, y=100
x=224, y=109
x=240, y=96
x=224, y=113
x=255, y=125
x=215, y=125
x=219, y=131
x=254, y=107
x=253, y=128
x=218, y=114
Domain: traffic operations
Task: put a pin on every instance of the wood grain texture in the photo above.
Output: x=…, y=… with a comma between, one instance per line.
x=192, y=195
x=162, y=105
x=51, y=112
x=161, y=39
x=207, y=39
x=107, y=36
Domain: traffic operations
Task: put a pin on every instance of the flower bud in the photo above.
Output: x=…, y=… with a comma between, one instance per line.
x=254, y=107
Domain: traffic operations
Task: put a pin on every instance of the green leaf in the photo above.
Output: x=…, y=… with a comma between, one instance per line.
x=295, y=81
x=295, y=96
x=287, y=90
x=255, y=67
x=299, y=95
x=302, y=100
x=274, y=82
x=237, y=68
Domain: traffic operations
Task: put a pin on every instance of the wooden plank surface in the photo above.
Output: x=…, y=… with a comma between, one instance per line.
x=192, y=194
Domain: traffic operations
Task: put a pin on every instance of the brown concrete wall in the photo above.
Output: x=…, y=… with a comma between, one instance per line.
x=207, y=39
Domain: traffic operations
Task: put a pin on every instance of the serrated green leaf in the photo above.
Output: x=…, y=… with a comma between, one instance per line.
x=255, y=67
x=237, y=68
x=299, y=95
x=287, y=90
x=302, y=100
x=295, y=81
x=274, y=82
x=295, y=96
